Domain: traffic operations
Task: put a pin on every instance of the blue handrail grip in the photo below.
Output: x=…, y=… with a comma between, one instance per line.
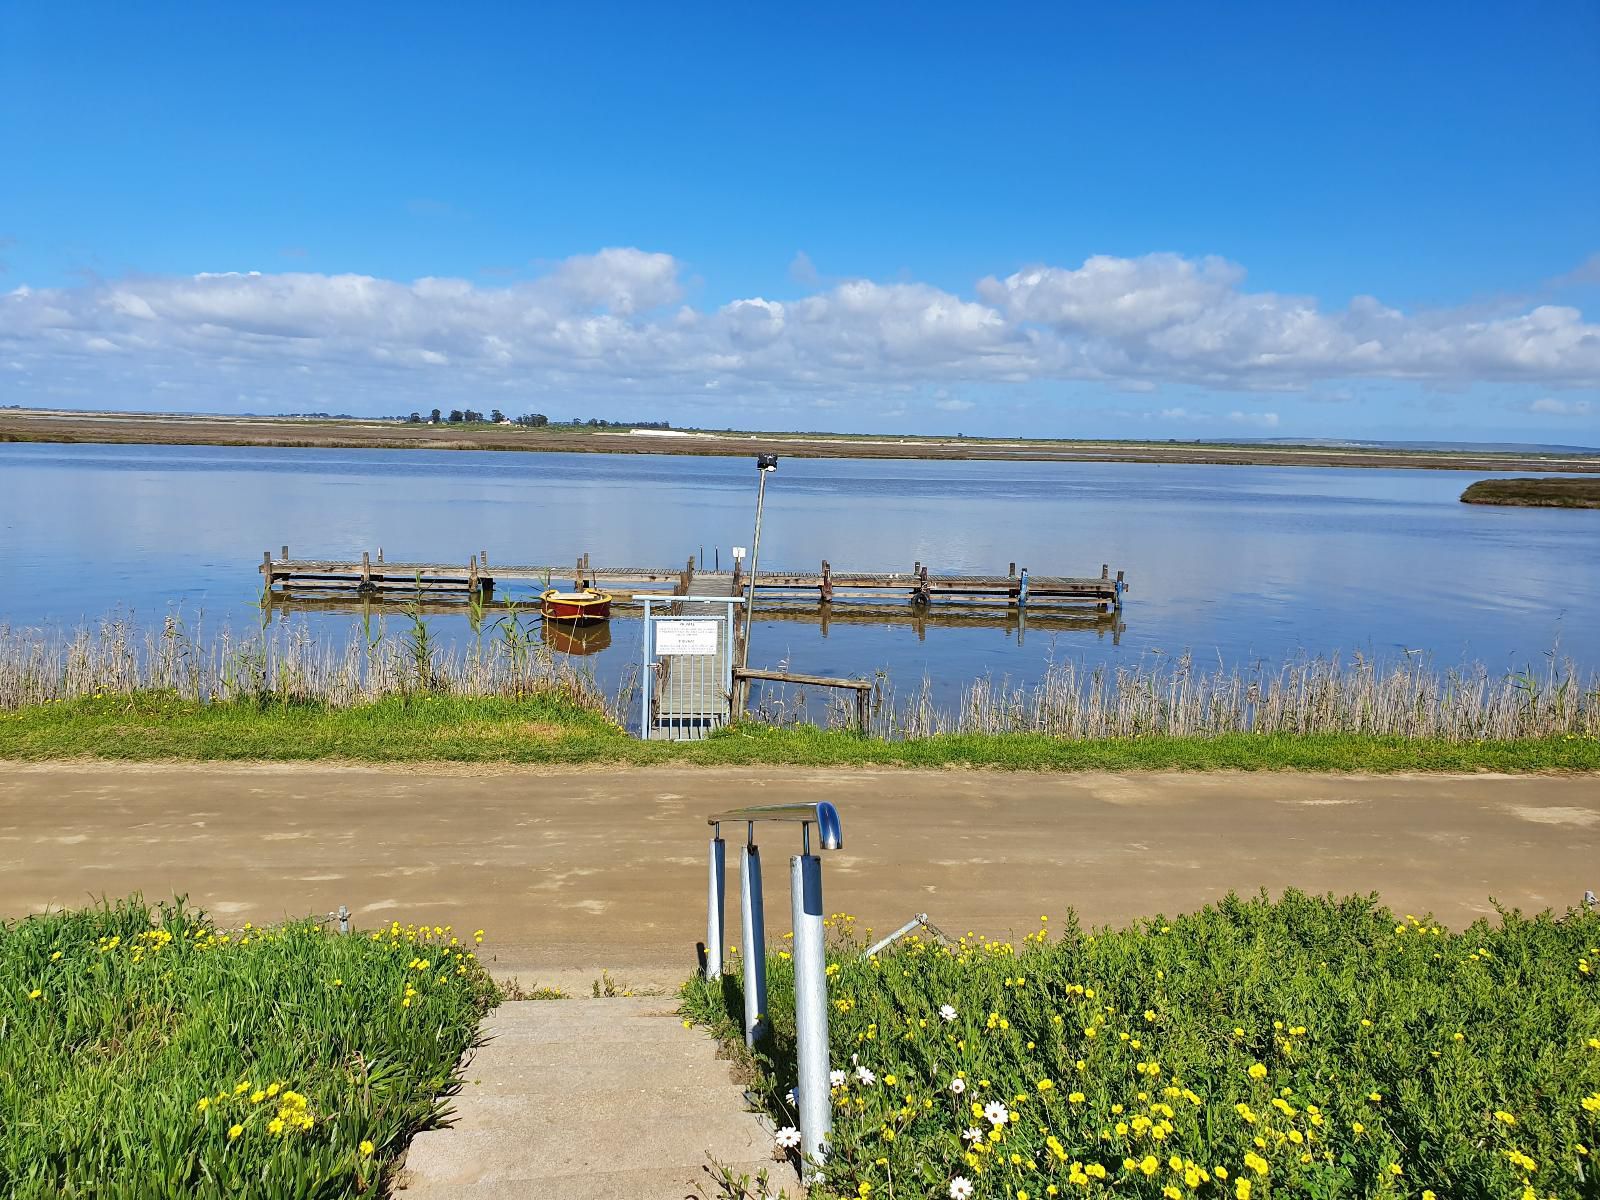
x=829, y=830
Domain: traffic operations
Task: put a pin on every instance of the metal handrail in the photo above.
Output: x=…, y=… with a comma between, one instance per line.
x=821, y=814
x=814, y=1097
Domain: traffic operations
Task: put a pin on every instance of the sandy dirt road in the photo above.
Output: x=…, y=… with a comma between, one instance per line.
x=574, y=872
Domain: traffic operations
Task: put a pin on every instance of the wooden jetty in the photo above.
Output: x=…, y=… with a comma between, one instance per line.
x=404, y=581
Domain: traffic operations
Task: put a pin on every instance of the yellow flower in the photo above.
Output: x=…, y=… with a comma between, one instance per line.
x=205, y=1103
x=1256, y=1163
x=275, y=1126
x=1257, y=1071
x=1076, y=1097
x=366, y=1148
x=1394, y=1169
x=235, y=1131
x=1242, y=1189
x=1504, y=1117
x=1149, y=1165
x=35, y=994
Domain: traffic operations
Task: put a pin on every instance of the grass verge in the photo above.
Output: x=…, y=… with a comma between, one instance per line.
x=551, y=730
x=145, y=1053
x=1308, y=1047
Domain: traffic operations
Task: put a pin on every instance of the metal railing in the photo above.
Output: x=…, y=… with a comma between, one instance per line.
x=813, y=1096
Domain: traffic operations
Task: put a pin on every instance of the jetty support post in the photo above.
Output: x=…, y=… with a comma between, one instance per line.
x=716, y=882
x=266, y=570
x=753, y=914
x=366, y=571
x=1122, y=586
x=825, y=589
x=1022, y=588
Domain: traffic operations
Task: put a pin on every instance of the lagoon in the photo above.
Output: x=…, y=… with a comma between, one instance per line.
x=1235, y=565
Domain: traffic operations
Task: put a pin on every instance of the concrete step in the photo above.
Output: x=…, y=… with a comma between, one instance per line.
x=662, y=1183
x=590, y=1100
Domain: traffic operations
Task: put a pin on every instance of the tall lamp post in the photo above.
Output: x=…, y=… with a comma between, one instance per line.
x=765, y=463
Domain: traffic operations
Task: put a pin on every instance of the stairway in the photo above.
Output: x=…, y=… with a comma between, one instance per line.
x=592, y=1100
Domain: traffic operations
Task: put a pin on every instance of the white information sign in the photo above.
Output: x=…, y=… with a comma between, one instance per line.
x=686, y=637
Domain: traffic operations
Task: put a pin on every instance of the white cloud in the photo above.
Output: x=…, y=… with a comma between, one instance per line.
x=617, y=320
x=803, y=270
x=1265, y=420
x=1549, y=406
x=952, y=404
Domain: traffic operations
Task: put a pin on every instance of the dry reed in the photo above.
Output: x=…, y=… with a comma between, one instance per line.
x=283, y=663
x=507, y=658
x=1307, y=696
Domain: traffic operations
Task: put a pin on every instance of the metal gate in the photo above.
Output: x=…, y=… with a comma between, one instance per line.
x=688, y=665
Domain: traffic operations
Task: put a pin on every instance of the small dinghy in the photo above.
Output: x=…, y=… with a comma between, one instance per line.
x=580, y=607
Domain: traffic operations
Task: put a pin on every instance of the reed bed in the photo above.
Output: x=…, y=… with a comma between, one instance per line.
x=284, y=664
x=1173, y=697
x=506, y=658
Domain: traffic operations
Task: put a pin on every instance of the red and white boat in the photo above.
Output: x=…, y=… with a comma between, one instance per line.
x=580, y=608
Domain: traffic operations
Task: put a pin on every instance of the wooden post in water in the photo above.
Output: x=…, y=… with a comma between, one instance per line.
x=266, y=569
x=825, y=591
x=285, y=554
x=472, y=575
x=366, y=571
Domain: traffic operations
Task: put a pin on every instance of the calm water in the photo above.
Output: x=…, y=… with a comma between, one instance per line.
x=1231, y=563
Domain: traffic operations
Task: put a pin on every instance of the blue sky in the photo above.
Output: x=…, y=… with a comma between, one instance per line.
x=1162, y=220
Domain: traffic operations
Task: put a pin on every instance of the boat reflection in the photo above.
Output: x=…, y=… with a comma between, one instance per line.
x=565, y=637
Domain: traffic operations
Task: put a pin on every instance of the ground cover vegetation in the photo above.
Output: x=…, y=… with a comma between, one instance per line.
x=146, y=1053
x=393, y=693
x=1560, y=492
x=1304, y=1047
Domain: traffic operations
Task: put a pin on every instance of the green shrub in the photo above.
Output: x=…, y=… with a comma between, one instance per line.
x=1305, y=1047
x=146, y=1054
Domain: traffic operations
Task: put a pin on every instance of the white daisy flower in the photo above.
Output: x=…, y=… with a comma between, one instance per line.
x=958, y=1085
x=791, y=1096
x=865, y=1076
x=961, y=1188
x=836, y=1078
x=949, y=1013
x=972, y=1135
x=788, y=1137
x=996, y=1114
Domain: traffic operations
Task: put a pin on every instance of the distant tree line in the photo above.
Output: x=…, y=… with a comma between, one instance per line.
x=470, y=416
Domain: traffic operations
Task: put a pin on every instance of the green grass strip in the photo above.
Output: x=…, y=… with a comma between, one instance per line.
x=146, y=1053
x=551, y=730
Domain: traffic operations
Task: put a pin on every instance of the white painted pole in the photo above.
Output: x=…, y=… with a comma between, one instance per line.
x=714, y=894
x=755, y=944
x=810, y=1007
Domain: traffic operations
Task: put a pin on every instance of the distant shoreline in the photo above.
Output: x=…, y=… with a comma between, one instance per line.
x=35, y=425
